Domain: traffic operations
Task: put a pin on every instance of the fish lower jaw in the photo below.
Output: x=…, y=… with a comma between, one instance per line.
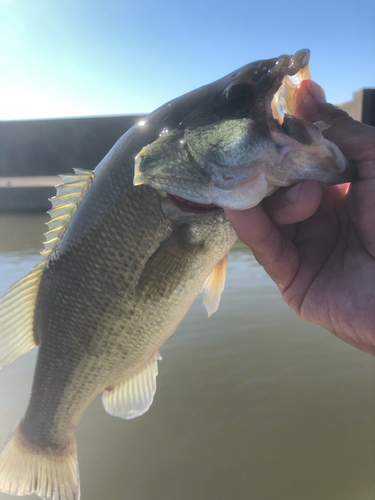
x=242, y=196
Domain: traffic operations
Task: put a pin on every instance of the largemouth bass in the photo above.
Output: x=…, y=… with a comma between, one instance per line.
x=123, y=262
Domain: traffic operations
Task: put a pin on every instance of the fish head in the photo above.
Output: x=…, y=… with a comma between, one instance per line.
x=236, y=140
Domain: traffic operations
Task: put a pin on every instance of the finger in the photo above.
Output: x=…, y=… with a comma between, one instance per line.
x=356, y=140
x=294, y=204
x=318, y=244
x=275, y=252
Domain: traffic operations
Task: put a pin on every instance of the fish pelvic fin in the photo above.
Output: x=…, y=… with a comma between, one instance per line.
x=214, y=285
x=17, y=316
x=133, y=397
x=25, y=469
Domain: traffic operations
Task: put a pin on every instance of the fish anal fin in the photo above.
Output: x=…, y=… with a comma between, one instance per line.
x=133, y=397
x=214, y=285
x=16, y=316
x=25, y=470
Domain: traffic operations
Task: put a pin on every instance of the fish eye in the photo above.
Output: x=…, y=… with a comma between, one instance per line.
x=239, y=92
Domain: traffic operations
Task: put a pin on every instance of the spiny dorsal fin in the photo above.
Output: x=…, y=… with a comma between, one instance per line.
x=214, y=285
x=133, y=397
x=69, y=196
x=18, y=304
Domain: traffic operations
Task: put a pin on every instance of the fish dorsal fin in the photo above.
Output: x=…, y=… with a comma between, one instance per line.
x=133, y=397
x=214, y=285
x=17, y=306
x=69, y=196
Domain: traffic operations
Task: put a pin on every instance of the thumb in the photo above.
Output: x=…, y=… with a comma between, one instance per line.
x=356, y=140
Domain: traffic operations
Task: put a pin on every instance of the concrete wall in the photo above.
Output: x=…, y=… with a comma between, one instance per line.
x=362, y=106
x=46, y=148
x=51, y=147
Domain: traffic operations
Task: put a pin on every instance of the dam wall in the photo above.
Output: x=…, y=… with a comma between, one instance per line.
x=34, y=152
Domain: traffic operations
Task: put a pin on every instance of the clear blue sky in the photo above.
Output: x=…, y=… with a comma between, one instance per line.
x=95, y=57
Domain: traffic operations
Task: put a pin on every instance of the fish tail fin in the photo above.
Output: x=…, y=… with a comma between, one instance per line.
x=26, y=469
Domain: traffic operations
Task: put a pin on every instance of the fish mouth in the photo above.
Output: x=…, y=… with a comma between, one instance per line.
x=297, y=70
x=191, y=206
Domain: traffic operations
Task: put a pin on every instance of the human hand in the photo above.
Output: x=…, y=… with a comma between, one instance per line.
x=318, y=243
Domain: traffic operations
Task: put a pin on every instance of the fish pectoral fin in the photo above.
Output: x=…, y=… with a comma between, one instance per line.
x=214, y=285
x=17, y=315
x=133, y=397
x=163, y=271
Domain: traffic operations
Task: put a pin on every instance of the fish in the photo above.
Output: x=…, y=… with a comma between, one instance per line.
x=131, y=244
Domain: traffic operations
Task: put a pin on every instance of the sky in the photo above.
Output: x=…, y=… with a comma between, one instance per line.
x=61, y=58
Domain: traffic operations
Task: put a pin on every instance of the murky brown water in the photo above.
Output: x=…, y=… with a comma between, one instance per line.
x=251, y=403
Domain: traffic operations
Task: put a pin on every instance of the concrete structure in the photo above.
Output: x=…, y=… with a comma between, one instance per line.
x=362, y=107
x=34, y=152
x=27, y=193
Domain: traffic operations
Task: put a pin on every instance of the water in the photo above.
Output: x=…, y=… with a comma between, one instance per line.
x=251, y=403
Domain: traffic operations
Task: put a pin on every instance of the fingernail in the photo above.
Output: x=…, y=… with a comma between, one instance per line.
x=316, y=91
x=292, y=194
